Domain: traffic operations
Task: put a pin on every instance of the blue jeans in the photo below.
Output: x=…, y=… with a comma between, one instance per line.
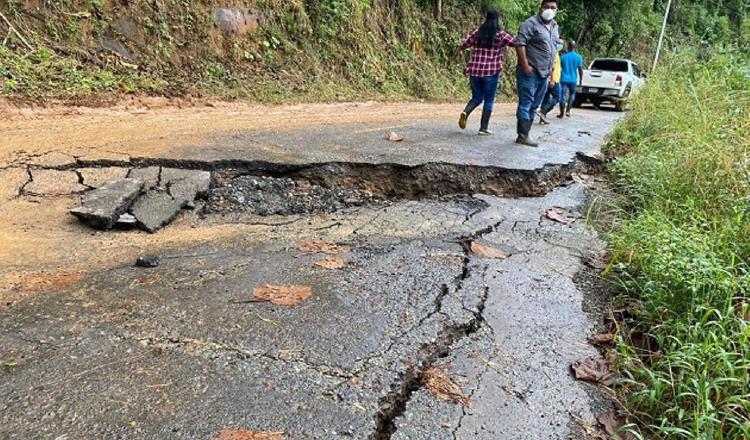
x=554, y=95
x=483, y=88
x=531, y=90
x=570, y=88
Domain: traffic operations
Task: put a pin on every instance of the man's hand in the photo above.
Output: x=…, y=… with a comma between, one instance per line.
x=527, y=69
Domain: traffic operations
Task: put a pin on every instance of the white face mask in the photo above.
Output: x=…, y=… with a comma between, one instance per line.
x=548, y=14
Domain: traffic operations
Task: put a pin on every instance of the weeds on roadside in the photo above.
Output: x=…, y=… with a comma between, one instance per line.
x=683, y=252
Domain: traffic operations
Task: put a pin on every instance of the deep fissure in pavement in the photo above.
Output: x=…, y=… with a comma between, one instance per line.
x=393, y=405
x=266, y=188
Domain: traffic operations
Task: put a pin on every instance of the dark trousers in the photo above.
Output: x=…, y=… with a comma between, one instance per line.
x=531, y=90
x=483, y=89
x=554, y=95
x=570, y=90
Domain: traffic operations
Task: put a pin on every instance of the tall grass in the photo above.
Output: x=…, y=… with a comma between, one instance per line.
x=683, y=253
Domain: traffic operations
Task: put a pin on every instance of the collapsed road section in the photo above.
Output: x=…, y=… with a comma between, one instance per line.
x=151, y=197
x=319, y=296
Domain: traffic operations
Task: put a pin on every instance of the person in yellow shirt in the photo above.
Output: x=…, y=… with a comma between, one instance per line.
x=554, y=91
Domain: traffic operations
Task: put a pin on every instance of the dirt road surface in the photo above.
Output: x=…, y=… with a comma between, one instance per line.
x=93, y=347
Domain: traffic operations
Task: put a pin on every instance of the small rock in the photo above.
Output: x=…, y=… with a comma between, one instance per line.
x=101, y=208
x=147, y=261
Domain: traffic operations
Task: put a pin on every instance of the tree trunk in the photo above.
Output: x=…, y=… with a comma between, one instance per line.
x=438, y=9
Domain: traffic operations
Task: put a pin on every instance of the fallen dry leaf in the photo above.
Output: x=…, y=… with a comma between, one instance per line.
x=488, y=252
x=322, y=247
x=559, y=215
x=394, y=137
x=612, y=423
x=48, y=281
x=441, y=386
x=282, y=295
x=594, y=370
x=242, y=434
x=604, y=338
x=330, y=262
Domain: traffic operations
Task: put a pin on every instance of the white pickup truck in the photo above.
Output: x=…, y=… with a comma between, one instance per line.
x=609, y=80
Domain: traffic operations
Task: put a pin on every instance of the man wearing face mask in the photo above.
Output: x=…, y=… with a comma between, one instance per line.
x=535, y=46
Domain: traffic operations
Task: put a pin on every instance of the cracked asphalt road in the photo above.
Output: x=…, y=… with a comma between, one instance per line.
x=96, y=348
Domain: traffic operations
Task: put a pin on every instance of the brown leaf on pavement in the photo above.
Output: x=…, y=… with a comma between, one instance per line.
x=594, y=370
x=282, y=295
x=330, y=262
x=242, y=434
x=41, y=281
x=559, y=216
x=443, y=387
x=322, y=247
x=488, y=252
x=612, y=423
x=394, y=137
x=604, y=338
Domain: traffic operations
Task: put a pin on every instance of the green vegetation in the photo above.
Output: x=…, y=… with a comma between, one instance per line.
x=308, y=49
x=683, y=253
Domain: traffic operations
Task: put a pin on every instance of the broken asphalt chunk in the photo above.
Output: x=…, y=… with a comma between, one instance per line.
x=149, y=176
x=187, y=184
x=102, y=207
x=155, y=209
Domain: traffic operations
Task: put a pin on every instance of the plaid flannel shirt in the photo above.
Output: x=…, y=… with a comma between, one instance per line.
x=486, y=61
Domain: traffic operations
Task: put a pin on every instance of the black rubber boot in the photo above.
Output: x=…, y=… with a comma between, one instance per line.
x=485, y=124
x=524, y=127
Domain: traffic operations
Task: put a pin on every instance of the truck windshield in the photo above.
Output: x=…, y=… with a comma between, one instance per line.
x=610, y=65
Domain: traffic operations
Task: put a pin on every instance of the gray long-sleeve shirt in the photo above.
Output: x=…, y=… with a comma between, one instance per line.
x=540, y=43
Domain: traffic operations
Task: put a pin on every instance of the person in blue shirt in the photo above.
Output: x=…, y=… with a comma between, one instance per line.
x=572, y=74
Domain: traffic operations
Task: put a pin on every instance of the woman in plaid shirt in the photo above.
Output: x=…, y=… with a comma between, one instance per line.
x=487, y=58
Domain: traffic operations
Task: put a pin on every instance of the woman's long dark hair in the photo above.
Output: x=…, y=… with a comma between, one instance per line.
x=489, y=29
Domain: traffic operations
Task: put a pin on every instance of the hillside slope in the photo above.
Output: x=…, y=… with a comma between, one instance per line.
x=267, y=50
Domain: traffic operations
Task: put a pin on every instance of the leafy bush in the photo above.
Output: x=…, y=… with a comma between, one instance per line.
x=685, y=252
